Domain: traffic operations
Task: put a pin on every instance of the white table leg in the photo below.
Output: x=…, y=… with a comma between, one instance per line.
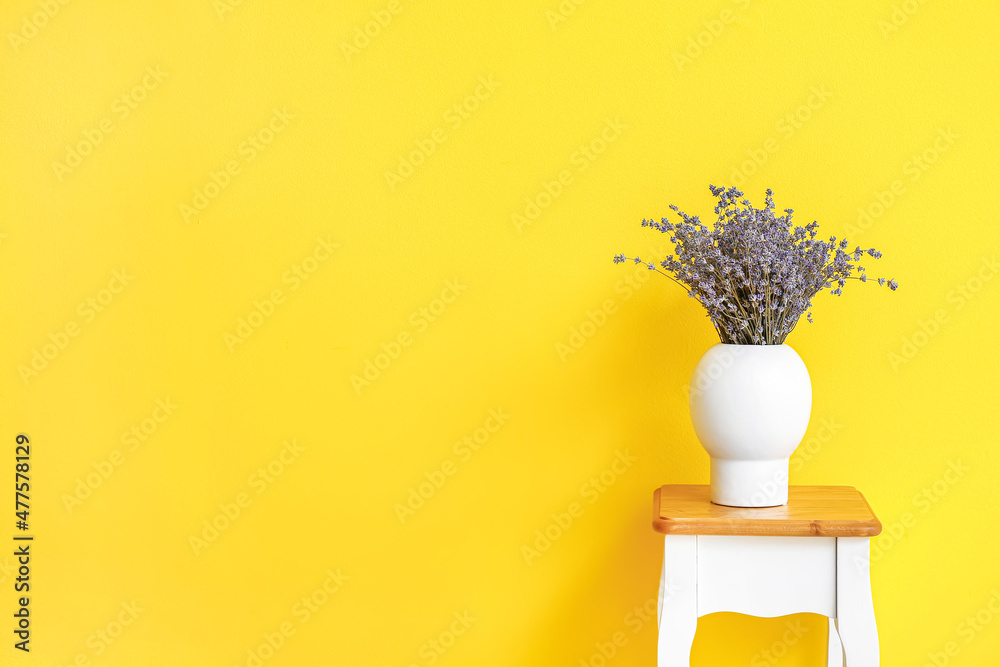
x=855, y=610
x=678, y=600
x=662, y=594
x=835, y=650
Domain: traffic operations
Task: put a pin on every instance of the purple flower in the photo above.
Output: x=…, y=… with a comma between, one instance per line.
x=753, y=272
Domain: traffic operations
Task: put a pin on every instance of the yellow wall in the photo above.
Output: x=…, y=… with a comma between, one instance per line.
x=246, y=159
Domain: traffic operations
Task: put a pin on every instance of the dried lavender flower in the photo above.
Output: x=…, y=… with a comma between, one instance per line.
x=753, y=272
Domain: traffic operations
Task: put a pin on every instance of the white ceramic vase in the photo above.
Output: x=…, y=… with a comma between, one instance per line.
x=750, y=407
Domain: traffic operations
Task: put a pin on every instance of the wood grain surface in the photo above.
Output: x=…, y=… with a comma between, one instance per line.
x=812, y=511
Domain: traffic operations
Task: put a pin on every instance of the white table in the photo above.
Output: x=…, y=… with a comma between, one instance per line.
x=811, y=555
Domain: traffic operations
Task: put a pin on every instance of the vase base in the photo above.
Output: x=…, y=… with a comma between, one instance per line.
x=750, y=483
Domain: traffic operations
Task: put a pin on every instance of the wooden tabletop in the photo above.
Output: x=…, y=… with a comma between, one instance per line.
x=812, y=511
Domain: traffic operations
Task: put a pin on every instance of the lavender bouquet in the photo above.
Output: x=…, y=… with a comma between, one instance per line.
x=754, y=273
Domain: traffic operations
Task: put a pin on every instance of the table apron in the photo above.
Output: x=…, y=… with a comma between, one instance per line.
x=767, y=576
